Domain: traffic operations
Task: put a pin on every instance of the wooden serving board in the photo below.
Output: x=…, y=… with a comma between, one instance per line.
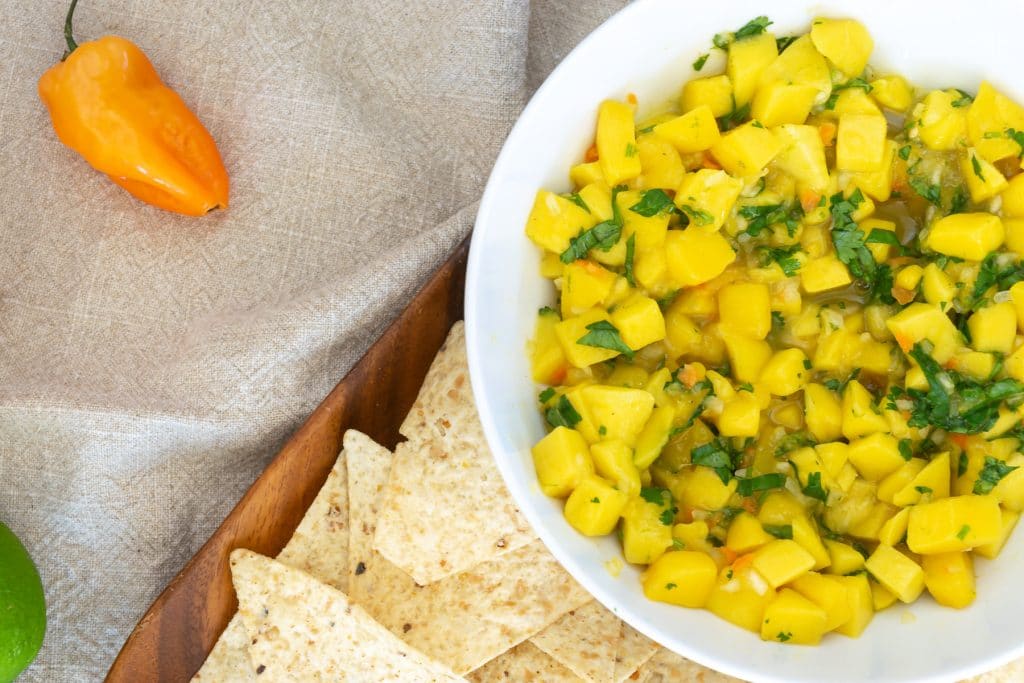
x=180, y=628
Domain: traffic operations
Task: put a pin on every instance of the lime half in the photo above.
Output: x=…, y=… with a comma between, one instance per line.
x=22, y=607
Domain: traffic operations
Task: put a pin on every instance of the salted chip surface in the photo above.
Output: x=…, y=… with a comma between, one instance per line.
x=446, y=507
x=319, y=547
x=525, y=662
x=303, y=630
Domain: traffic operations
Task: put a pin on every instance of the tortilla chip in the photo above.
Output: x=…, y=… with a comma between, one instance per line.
x=585, y=640
x=635, y=649
x=524, y=663
x=465, y=620
x=667, y=667
x=446, y=508
x=304, y=630
x=229, y=661
x=1014, y=671
x=319, y=546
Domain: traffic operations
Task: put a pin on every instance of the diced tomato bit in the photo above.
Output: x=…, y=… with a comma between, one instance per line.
x=809, y=199
x=903, y=296
x=690, y=375
x=960, y=440
x=828, y=131
x=905, y=343
x=591, y=154
x=558, y=376
x=709, y=162
x=742, y=562
x=749, y=505
x=729, y=554
x=631, y=98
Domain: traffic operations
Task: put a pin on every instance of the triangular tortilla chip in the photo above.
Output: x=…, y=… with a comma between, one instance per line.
x=303, y=630
x=524, y=663
x=635, y=649
x=446, y=508
x=667, y=667
x=464, y=620
x=586, y=640
x=319, y=546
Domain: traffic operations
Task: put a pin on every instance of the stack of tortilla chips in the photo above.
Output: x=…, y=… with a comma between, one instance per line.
x=417, y=566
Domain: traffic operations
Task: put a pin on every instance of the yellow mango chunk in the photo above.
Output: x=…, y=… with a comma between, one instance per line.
x=616, y=142
x=746, y=533
x=741, y=416
x=661, y=164
x=562, y=460
x=991, y=550
x=877, y=184
x=984, y=180
x=695, y=256
x=949, y=578
x=853, y=509
x=781, y=102
x=800, y=64
x=918, y=322
x=860, y=144
x=645, y=537
x=701, y=488
x=966, y=235
x=639, y=321
x=714, y=92
x=785, y=372
x=899, y=479
x=802, y=155
x=894, y=529
x=822, y=412
x=1010, y=489
x=861, y=605
x=792, y=618
x=585, y=174
x=746, y=356
x=747, y=58
x=892, y=92
x=993, y=328
x=909, y=277
x=1013, y=197
x=621, y=411
x=694, y=131
x=547, y=359
x=941, y=126
x=554, y=220
x=954, y=524
x=681, y=577
x=654, y=436
x=845, y=42
x=844, y=558
x=875, y=456
x=870, y=528
x=584, y=285
x=897, y=572
x=649, y=231
x=594, y=506
x=781, y=561
x=1014, y=234
x=707, y=197
x=988, y=118
x=859, y=416
x=571, y=330
x=746, y=150
x=823, y=274
x=937, y=287
x=740, y=597
x=828, y=593
x=881, y=597
x=745, y=308
x=613, y=460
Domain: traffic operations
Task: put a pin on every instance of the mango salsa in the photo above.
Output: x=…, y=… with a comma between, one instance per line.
x=783, y=360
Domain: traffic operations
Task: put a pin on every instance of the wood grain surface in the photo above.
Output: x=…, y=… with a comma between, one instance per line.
x=172, y=640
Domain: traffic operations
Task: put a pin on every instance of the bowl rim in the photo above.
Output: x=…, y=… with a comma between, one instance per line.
x=583, y=573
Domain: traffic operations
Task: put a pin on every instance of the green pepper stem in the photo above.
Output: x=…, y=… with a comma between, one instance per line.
x=72, y=45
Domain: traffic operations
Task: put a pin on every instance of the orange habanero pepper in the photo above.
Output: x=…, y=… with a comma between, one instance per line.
x=108, y=104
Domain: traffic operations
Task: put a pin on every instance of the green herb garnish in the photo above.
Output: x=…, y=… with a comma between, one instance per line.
x=563, y=414
x=991, y=474
x=604, y=335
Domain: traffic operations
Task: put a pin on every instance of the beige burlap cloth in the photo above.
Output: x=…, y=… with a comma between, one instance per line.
x=150, y=365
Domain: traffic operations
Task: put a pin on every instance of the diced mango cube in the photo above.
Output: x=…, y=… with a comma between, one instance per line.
x=681, y=577
x=594, y=506
x=746, y=533
x=984, y=180
x=949, y=578
x=894, y=529
x=800, y=64
x=988, y=118
x=645, y=537
x=780, y=102
x=828, y=593
x=639, y=321
x=585, y=174
x=781, y=561
x=621, y=411
x=745, y=308
x=920, y=321
x=1013, y=197
x=859, y=416
x=860, y=145
x=661, y=164
x=877, y=184
x=700, y=487
x=941, y=126
x=909, y=277
x=741, y=416
x=937, y=287
x=654, y=436
x=740, y=597
x=562, y=460
x=571, y=330
x=870, y=528
x=748, y=57
x=584, y=285
x=554, y=220
x=802, y=155
x=879, y=251
x=746, y=356
x=792, y=618
x=714, y=92
x=899, y=479
x=695, y=256
x=746, y=150
x=861, y=605
x=823, y=274
x=954, y=524
x=991, y=550
x=881, y=597
x=785, y=372
x=892, y=92
x=613, y=460
x=1014, y=228
x=994, y=328
x=896, y=572
x=845, y=42
x=708, y=193
x=547, y=359
x=845, y=559
x=616, y=142
x=694, y=131
x=822, y=412
x=876, y=455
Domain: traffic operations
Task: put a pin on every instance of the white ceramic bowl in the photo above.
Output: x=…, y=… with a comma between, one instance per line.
x=647, y=49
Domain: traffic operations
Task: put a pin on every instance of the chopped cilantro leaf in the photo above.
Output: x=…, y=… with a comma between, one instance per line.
x=698, y=216
x=677, y=544
x=546, y=310
x=669, y=586
x=603, y=236
x=990, y=274
x=959, y=201
x=793, y=441
x=753, y=27
x=658, y=496
x=546, y=395
x=667, y=517
x=782, y=42
x=991, y=474
x=904, y=152
x=595, y=499
x=784, y=256
x=698, y=63
x=630, y=255
x=930, y=191
x=602, y=430
x=923, y=489
x=734, y=117
x=1018, y=137
x=653, y=202
x=576, y=199
x=604, y=335
x=858, y=82
x=961, y=465
x=764, y=482
x=746, y=386
x=563, y=414
x=630, y=149
x=906, y=449
x=718, y=456
x=814, y=489
x=976, y=165
x=784, y=636
x=964, y=530
x=963, y=100
x=780, y=530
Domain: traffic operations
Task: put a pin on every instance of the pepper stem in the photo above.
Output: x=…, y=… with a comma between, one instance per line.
x=72, y=45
